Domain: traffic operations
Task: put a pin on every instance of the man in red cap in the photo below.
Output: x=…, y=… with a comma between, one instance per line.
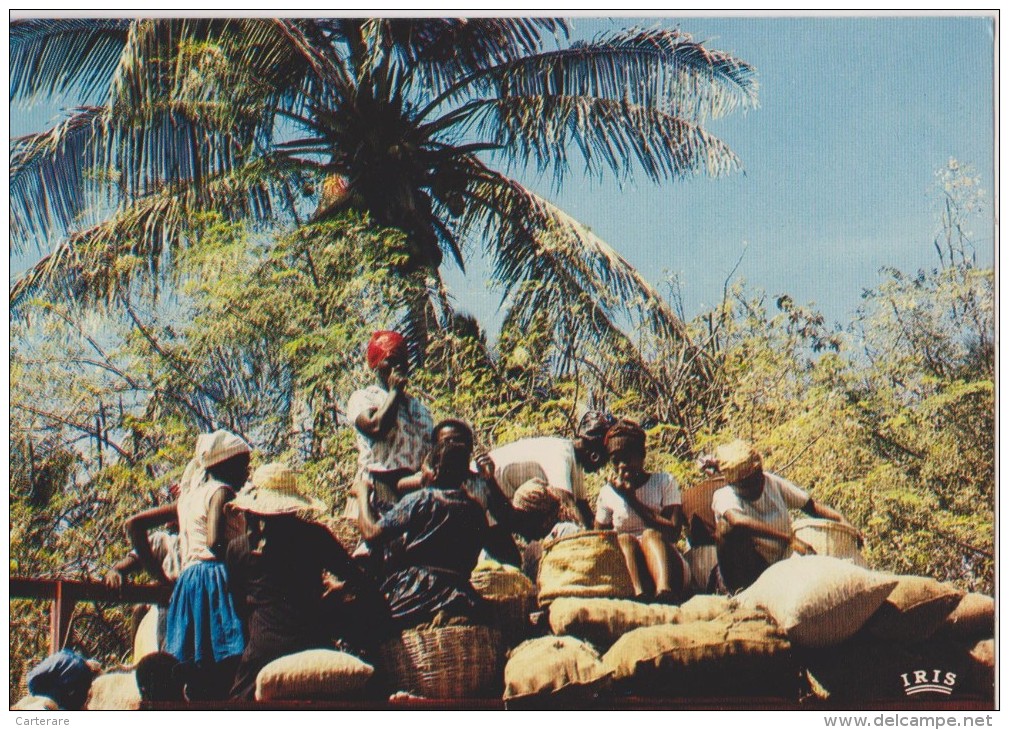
x=392, y=426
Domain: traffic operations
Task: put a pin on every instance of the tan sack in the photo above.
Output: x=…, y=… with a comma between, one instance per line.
x=981, y=668
x=973, y=618
x=510, y=597
x=312, y=674
x=739, y=653
x=33, y=702
x=914, y=609
x=114, y=691
x=602, y=621
x=585, y=565
x=818, y=600
x=555, y=668
x=146, y=640
x=705, y=608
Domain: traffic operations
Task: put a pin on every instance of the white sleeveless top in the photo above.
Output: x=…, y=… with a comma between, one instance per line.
x=194, y=504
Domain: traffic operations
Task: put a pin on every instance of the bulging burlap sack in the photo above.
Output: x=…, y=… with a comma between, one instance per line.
x=739, y=653
x=602, y=621
x=312, y=674
x=819, y=601
x=554, y=668
x=981, y=668
x=705, y=608
x=114, y=691
x=586, y=565
x=914, y=609
x=973, y=618
x=146, y=640
x=32, y=702
x=511, y=598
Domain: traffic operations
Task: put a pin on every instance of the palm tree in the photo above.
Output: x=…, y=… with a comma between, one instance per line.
x=403, y=119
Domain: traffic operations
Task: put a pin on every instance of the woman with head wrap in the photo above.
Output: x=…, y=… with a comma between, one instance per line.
x=392, y=425
x=753, y=528
x=203, y=630
x=645, y=510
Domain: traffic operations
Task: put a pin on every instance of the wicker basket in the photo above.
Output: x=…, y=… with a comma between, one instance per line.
x=446, y=663
x=511, y=597
x=830, y=538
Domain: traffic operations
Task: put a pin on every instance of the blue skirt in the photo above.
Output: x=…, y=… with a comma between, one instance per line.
x=203, y=626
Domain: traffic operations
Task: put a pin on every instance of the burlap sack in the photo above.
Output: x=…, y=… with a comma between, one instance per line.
x=114, y=691
x=914, y=609
x=973, y=618
x=705, y=608
x=511, y=597
x=586, y=565
x=312, y=674
x=738, y=653
x=819, y=601
x=981, y=668
x=31, y=702
x=146, y=640
x=602, y=621
x=557, y=669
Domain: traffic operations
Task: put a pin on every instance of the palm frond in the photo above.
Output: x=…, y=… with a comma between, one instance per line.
x=610, y=135
x=91, y=266
x=438, y=51
x=48, y=172
x=538, y=248
x=51, y=56
x=661, y=69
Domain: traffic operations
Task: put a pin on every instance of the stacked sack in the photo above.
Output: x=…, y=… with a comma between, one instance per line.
x=604, y=642
x=862, y=635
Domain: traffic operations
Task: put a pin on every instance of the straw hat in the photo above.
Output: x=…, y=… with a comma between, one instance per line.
x=737, y=460
x=273, y=490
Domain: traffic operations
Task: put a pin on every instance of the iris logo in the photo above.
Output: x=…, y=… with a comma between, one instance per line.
x=928, y=680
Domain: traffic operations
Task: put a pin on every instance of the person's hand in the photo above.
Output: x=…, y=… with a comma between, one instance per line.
x=114, y=579
x=801, y=547
x=398, y=380
x=708, y=464
x=331, y=584
x=485, y=466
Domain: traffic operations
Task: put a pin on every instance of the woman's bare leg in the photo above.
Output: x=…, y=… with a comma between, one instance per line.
x=634, y=559
x=664, y=565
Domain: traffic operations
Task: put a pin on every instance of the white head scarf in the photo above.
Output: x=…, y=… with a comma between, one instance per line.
x=211, y=449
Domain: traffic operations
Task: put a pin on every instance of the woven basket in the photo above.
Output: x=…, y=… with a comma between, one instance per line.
x=830, y=538
x=446, y=663
x=511, y=597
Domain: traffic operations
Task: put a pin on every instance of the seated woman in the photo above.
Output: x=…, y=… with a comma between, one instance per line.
x=431, y=541
x=644, y=509
x=754, y=529
x=276, y=569
x=525, y=516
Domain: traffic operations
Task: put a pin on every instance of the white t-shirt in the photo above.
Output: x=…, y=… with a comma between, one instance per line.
x=659, y=492
x=549, y=458
x=771, y=508
x=193, y=506
x=406, y=443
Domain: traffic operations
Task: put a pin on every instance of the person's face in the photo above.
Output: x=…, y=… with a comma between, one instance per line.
x=628, y=464
x=751, y=487
x=395, y=362
x=452, y=434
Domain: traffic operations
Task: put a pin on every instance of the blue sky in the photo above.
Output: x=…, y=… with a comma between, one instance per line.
x=855, y=117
